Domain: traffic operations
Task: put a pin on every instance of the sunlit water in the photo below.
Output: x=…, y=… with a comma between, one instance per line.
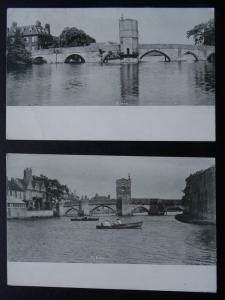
x=146, y=83
x=162, y=240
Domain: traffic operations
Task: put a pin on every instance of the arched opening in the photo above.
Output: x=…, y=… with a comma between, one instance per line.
x=140, y=210
x=102, y=209
x=74, y=59
x=211, y=57
x=191, y=56
x=39, y=60
x=72, y=212
x=155, y=53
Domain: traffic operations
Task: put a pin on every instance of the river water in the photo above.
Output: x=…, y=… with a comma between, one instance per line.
x=162, y=240
x=146, y=83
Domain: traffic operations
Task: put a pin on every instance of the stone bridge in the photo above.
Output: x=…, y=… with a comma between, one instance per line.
x=91, y=208
x=171, y=52
x=177, y=52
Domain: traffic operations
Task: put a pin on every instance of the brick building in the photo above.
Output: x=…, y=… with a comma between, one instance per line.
x=200, y=195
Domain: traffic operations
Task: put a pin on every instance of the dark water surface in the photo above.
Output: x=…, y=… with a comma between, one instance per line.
x=147, y=83
x=162, y=240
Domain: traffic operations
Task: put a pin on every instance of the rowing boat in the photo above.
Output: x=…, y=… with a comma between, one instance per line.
x=136, y=225
x=84, y=219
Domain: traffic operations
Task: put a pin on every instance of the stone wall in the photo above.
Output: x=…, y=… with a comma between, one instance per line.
x=23, y=213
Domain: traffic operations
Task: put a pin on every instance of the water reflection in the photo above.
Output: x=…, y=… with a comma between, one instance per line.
x=205, y=77
x=204, y=239
x=129, y=83
x=147, y=83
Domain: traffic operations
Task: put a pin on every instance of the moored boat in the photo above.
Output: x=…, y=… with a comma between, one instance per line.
x=84, y=219
x=136, y=225
x=161, y=213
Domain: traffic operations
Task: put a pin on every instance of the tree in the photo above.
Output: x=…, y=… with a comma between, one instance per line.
x=72, y=37
x=16, y=51
x=54, y=189
x=203, y=34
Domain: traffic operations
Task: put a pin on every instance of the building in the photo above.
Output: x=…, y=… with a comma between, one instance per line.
x=123, y=195
x=35, y=36
x=200, y=196
x=128, y=33
x=29, y=189
x=100, y=199
x=16, y=207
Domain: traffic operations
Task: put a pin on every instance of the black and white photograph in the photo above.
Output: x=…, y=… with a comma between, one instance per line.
x=101, y=66
x=111, y=56
x=111, y=210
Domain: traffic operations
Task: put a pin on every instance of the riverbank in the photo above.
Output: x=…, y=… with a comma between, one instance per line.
x=24, y=214
x=185, y=218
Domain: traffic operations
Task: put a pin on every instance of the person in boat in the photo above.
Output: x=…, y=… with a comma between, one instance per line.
x=106, y=224
x=118, y=221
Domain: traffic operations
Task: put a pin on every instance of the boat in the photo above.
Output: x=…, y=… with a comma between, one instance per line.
x=84, y=219
x=136, y=225
x=160, y=213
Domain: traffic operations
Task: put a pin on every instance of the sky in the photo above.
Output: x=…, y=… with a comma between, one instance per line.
x=156, y=25
x=153, y=177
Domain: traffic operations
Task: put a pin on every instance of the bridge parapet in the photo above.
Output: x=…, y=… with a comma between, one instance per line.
x=172, y=52
x=94, y=47
x=176, y=46
x=176, y=52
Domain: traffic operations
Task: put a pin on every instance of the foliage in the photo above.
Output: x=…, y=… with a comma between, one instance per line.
x=72, y=37
x=203, y=33
x=16, y=52
x=54, y=189
x=48, y=41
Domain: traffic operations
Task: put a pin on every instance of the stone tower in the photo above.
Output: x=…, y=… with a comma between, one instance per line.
x=123, y=194
x=128, y=32
x=27, y=175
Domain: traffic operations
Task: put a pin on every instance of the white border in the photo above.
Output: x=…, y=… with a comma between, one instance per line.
x=114, y=276
x=123, y=123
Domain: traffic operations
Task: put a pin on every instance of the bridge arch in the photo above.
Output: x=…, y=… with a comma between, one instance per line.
x=138, y=208
x=102, y=206
x=74, y=59
x=192, y=54
x=71, y=209
x=160, y=53
x=211, y=57
x=39, y=60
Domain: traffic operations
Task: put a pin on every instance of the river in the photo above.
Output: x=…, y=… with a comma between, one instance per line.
x=146, y=83
x=162, y=240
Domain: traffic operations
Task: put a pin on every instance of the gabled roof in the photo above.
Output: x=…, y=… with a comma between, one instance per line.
x=29, y=30
x=15, y=185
